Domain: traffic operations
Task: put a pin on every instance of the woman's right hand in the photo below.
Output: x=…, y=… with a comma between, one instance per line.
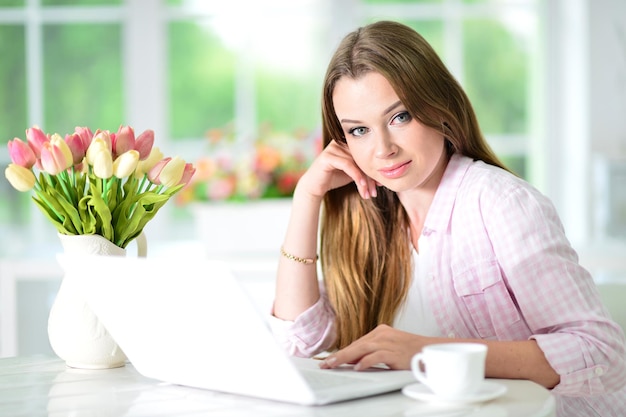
x=334, y=167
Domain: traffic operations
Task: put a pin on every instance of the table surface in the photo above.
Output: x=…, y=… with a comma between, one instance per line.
x=43, y=386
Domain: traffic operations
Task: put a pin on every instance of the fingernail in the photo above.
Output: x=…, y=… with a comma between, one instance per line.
x=329, y=362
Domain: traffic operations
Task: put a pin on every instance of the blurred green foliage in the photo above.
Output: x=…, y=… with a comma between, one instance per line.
x=201, y=80
x=82, y=84
x=81, y=2
x=496, y=76
x=12, y=82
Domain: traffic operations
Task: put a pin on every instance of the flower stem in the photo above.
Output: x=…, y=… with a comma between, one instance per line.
x=105, y=190
x=67, y=187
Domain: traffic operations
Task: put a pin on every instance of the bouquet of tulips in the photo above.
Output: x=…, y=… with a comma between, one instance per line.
x=104, y=183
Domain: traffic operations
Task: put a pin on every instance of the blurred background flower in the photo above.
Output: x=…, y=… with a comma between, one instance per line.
x=269, y=167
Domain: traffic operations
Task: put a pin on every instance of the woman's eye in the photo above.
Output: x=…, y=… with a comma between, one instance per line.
x=358, y=131
x=401, y=118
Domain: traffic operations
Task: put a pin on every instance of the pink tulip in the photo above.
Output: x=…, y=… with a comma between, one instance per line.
x=187, y=174
x=21, y=154
x=77, y=146
x=123, y=140
x=167, y=172
x=53, y=159
x=105, y=136
x=85, y=135
x=57, y=141
x=36, y=138
x=144, y=143
x=155, y=171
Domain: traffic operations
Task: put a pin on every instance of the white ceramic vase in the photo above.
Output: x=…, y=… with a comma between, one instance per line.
x=75, y=333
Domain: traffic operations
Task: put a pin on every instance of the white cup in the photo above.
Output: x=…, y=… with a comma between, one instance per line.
x=451, y=370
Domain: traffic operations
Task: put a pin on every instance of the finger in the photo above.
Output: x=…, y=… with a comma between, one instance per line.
x=377, y=358
x=344, y=162
x=351, y=354
x=365, y=185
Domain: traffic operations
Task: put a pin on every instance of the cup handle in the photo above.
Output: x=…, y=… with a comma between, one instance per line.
x=415, y=366
x=142, y=245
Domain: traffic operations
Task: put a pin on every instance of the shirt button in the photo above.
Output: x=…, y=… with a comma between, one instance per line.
x=599, y=371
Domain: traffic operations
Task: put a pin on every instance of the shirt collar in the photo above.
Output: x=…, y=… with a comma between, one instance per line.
x=440, y=211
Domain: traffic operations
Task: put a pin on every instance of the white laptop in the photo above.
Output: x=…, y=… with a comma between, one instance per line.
x=190, y=322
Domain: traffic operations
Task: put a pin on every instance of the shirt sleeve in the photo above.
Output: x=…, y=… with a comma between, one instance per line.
x=312, y=332
x=557, y=297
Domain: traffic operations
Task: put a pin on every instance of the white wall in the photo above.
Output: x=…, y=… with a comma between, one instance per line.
x=607, y=74
x=584, y=111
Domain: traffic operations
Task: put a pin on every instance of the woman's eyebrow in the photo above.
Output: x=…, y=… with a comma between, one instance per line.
x=386, y=111
x=392, y=107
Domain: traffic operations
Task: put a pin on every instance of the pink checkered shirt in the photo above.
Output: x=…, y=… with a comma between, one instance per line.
x=502, y=269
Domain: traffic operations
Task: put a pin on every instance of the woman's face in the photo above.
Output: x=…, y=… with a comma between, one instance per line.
x=387, y=143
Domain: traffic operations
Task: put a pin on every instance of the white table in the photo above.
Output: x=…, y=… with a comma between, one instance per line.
x=42, y=386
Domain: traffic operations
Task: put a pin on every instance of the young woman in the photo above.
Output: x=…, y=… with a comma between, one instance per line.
x=425, y=237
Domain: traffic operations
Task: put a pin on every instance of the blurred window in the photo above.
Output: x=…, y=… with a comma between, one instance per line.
x=241, y=63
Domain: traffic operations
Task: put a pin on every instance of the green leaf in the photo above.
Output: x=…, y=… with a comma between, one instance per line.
x=135, y=213
x=56, y=218
x=101, y=210
x=87, y=216
x=54, y=210
x=70, y=212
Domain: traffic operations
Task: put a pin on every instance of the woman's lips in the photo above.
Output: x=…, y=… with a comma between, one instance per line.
x=395, y=171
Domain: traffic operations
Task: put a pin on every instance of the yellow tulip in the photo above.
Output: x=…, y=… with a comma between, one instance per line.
x=97, y=145
x=125, y=164
x=59, y=142
x=146, y=165
x=103, y=164
x=22, y=179
x=172, y=172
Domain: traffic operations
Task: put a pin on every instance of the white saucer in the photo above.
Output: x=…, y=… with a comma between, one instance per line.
x=488, y=391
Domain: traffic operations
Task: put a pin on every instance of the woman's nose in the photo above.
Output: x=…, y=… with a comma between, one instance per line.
x=385, y=147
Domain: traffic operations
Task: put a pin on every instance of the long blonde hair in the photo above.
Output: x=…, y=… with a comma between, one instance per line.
x=365, y=246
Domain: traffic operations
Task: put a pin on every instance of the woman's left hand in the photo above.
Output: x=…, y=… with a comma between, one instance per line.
x=383, y=345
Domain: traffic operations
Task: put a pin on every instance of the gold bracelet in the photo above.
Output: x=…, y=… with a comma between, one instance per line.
x=305, y=261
